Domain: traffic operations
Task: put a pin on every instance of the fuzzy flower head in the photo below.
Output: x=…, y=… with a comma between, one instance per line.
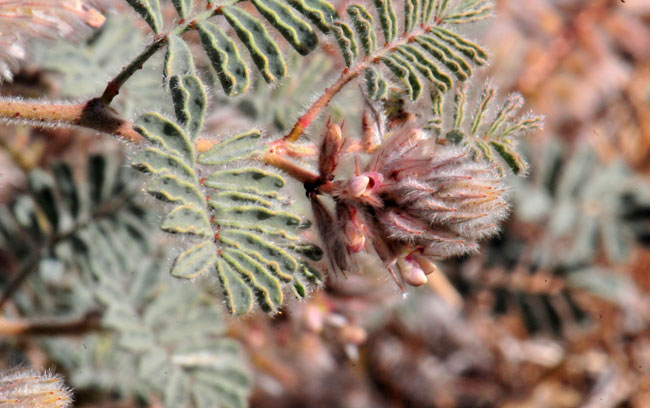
x=419, y=199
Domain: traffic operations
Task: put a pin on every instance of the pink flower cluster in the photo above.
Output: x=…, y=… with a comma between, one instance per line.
x=415, y=200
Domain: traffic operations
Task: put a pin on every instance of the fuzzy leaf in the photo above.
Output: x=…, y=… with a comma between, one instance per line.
x=183, y=7
x=387, y=18
x=238, y=147
x=321, y=12
x=239, y=297
x=155, y=161
x=405, y=71
x=363, y=24
x=195, y=261
x=265, y=286
x=167, y=134
x=376, y=85
x=345, y=39
x=282, y=264
x=263, y=50
x=225, y=58
x=178, y=59
x=246, y=179
x=251, y=217
x=150, y=12
x=190, y=101
x=298, y=33
x=170, y=188
x=187, y=219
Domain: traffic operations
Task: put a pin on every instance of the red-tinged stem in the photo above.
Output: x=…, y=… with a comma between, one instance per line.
x=113, y=87
x=348, y=75
x=92, y=114
x=281, y=162
x=305, y=120
x=299, y=173
x=95, y=115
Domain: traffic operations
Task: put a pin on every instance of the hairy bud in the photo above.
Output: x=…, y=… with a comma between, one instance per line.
x=331, y=150
x=28, y=388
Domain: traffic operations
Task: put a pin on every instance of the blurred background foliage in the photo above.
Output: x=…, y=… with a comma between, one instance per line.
x=555, y=312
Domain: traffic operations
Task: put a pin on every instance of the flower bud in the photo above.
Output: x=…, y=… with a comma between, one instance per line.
x=357, y=186
x=28, y=388
x=412, y=274
x=331, y=150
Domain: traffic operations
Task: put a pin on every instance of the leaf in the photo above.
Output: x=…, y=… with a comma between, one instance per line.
x=225, y=58
x=426, y=67
x=190, y=101
x=178, y=60
x=152, y=363
x=67, y=188
x=41, y=185
x=298, y=33
x=239, y=297
x=251, y=179
x=183, y=7
x=321, y=12
x=176, y=389
x=479, y=11
x=410, y=15
x=187, y=219
x=265, y=286
x=263, y=50
x=150, y=12
x=170, y=188
x=451, y=61
x=376, y=86
x=165, y=133
x=363, y=24
x=345, y=39
x=493, y=141
x=238, y=147
x=195, y=261
x=250, y=217
x=387, y=19
x=155, y=161
x=278, y=260
x=405, y=71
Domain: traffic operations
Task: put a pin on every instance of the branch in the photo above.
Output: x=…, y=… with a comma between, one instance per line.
x=90, y=322
x=92, y=115
x=348, y=75
x=113, y=87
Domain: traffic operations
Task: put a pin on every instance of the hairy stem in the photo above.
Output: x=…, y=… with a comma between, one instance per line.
x=348, y=75
x=113, y=87
x=92, y=115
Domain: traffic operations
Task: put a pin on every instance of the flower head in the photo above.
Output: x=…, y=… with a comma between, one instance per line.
x=418, y=198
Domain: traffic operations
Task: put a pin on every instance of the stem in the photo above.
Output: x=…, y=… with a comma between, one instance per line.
x=113, y=87
x=92, y=114
x=348, y=75
x=90, y=322
x=299, y=173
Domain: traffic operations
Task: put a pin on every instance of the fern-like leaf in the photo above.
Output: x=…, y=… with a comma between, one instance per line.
x=149, y=10
x=246, y=235
x=426, y=47
x=489, y=132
